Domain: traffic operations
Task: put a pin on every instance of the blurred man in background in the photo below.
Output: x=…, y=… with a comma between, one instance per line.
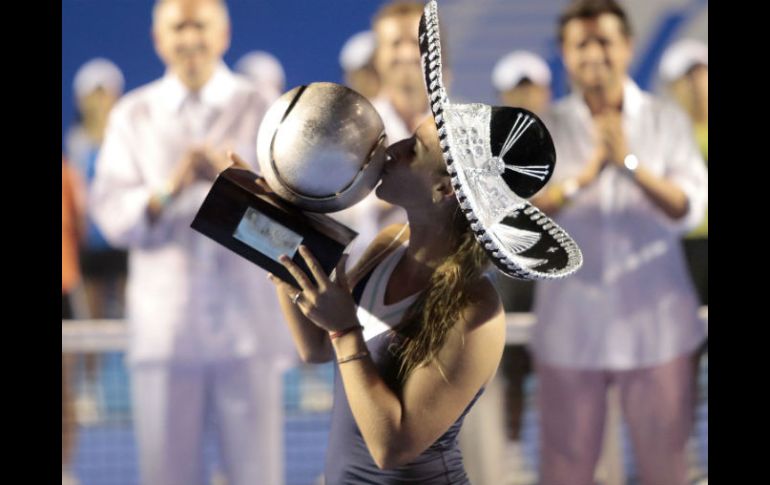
x=204, y=328
x=523, y=79
x=98, y=84
x=357, y=63
x=265, y=71
x=685, y=73
x=629, y=181
x=401, y=102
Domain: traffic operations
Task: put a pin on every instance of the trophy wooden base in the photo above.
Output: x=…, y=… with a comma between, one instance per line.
x=241, y=213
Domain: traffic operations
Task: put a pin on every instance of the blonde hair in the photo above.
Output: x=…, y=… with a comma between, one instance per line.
x=429, y=319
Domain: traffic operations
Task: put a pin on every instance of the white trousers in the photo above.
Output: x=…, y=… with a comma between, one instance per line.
x=171, y=407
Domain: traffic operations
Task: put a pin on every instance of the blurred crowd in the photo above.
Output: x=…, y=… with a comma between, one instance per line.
x=206, y=340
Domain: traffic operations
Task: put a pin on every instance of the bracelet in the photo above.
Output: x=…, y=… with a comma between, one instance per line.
x=340, y=333
x=357, y=356
x=631, y=163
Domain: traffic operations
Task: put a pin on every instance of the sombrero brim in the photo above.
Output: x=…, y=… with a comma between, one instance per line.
x=497, y=156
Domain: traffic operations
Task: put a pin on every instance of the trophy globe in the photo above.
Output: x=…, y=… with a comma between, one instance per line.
x=321, y=147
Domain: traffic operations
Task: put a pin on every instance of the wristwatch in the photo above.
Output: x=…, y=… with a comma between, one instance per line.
x=631, y=163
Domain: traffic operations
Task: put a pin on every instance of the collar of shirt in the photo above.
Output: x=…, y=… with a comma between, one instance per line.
x=632, y=102
x=172, y=93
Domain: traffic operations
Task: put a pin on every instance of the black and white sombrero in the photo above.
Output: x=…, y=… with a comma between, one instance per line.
x=497, y=156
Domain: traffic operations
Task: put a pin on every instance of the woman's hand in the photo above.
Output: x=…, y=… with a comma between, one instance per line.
x=328, y=305
x=610, y=127
x=237, y=161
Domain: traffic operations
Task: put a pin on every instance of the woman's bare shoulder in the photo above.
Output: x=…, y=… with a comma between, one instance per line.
x=485, y=305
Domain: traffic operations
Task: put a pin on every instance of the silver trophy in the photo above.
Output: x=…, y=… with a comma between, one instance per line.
x=321, y=148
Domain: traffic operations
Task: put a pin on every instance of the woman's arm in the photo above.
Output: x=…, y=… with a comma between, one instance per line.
x=397, y=428
x=312, y=342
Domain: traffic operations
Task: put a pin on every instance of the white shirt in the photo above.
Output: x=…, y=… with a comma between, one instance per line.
x=189, y=299
x=632, y=303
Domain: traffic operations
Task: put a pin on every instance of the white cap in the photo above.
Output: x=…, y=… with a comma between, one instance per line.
x=680, y=57
x=358, y=51
x=517, y=65
x=96, y=73
x=263, y=69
